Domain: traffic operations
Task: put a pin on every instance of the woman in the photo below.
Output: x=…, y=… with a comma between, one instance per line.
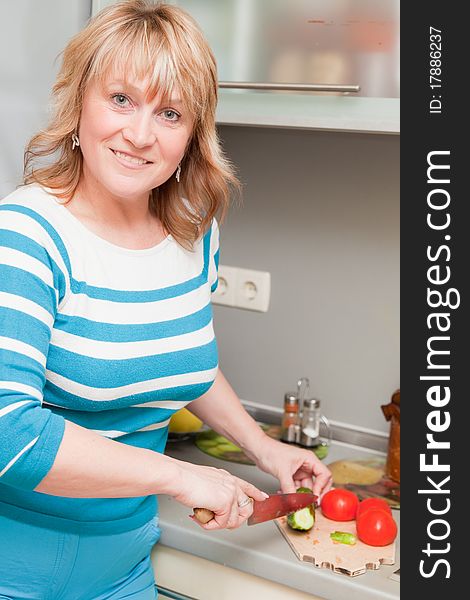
x=109, y=255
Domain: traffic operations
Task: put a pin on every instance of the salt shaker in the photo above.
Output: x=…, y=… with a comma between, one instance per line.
x=310, y=427
x=290, y=421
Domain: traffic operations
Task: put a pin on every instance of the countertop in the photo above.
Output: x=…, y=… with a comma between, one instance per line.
x=261, y=550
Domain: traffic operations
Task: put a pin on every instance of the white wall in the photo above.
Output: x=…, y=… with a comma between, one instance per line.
x=321, y=213
x=32, y=34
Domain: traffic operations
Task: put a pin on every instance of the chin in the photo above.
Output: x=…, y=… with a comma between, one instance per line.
x=129, y=192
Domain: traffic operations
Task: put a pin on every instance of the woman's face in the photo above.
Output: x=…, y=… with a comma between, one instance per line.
x=130, y=143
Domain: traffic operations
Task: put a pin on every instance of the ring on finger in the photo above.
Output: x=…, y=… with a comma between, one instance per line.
x=244, y=502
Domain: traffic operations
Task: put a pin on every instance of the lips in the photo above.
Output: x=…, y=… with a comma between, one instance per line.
x=130, y=159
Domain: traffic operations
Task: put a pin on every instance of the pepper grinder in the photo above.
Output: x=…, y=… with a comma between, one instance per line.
x=290, y=427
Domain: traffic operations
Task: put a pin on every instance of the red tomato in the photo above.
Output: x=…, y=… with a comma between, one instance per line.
x=376, y=527
x=339, y=505
x=368, y=503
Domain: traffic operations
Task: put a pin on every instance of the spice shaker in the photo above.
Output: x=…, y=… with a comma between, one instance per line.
x=290, y=426
x=310, y=425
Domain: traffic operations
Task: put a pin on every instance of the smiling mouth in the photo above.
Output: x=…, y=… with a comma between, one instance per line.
x=132, y=160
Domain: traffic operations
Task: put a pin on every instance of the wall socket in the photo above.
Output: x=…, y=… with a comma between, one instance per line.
x=243, y=288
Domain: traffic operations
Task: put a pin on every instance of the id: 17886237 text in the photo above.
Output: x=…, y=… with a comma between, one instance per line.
x=435, y=70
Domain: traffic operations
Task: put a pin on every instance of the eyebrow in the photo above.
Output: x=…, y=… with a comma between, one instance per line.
x=119, y=82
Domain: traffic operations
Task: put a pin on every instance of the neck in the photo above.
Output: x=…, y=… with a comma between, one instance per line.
x=101, y=206
x=126, y=222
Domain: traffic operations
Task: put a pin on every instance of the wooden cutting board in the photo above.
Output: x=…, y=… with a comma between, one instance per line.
x=316, y=547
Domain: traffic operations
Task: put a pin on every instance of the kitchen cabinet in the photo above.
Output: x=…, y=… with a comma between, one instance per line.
x=350, y=49
x=166, y=593
x=302, y=111
x=206, y=580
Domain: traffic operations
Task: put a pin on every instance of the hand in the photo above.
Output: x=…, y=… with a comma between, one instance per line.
x=218, y=491
x=294, y=467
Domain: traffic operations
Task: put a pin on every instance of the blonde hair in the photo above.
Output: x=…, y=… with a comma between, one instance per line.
x=164, y=44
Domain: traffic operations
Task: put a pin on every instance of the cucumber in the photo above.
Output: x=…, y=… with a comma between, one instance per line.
x=303, y=519
x=343, y=537
x=227, y=446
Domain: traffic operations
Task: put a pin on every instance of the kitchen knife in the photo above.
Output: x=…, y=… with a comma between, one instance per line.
x=277, y=505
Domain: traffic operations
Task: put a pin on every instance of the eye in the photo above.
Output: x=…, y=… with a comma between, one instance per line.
x=170, y=115
x=120, y=99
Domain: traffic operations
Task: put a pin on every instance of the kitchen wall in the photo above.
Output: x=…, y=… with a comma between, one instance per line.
x=321, y=214
x=32, y=34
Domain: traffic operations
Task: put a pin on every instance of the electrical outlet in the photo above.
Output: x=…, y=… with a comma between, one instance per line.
x=243, y=288
x=253, y=290
x=225, y=292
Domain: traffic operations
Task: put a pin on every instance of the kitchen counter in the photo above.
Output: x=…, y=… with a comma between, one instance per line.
x=261, y=550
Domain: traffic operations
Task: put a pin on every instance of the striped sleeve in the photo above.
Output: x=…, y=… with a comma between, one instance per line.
x=31, y=287
x=214, y=256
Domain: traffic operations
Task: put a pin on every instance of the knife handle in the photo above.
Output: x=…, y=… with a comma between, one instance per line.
x=203, y=515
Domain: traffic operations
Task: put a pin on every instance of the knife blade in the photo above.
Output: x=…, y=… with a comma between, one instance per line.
x=275, y=506
x=279, y=505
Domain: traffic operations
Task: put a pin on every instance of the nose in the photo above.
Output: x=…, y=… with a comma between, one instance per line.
x=140, y=130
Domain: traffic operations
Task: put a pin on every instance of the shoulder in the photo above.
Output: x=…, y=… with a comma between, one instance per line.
x=214, y=234
x=31, y=198
x=34, y=203
x=215, y=225
x=209, y=240
x=34, y=213
x=212, y=230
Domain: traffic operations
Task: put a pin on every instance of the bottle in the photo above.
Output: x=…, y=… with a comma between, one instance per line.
x=391, y=412
x=310, y=427
x=290, y=427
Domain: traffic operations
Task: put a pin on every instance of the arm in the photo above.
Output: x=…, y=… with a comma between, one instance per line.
x=88, y=465
x=222, y=410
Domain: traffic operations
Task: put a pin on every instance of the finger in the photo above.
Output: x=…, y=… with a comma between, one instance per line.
x=208, y=526
x=328, y=486
x=218, y=522
x=307, y=482
x=244, y=512
x=246, y=509
x=287, y=483
x=234, y=520
x=244, y=502
x=248, y=489
x=322, y=483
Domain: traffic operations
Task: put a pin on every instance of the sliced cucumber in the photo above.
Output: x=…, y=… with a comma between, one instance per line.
x=303, y=519
x=343, y=537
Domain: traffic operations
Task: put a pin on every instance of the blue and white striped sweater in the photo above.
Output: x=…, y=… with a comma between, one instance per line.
x=115, y=340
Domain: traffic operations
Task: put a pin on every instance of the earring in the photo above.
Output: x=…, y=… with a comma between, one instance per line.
x=75, y=141
x=178, y=173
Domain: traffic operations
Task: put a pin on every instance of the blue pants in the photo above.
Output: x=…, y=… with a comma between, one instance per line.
x=43, y=564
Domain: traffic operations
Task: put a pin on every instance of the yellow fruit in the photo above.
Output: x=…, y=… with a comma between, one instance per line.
x=184, y=421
